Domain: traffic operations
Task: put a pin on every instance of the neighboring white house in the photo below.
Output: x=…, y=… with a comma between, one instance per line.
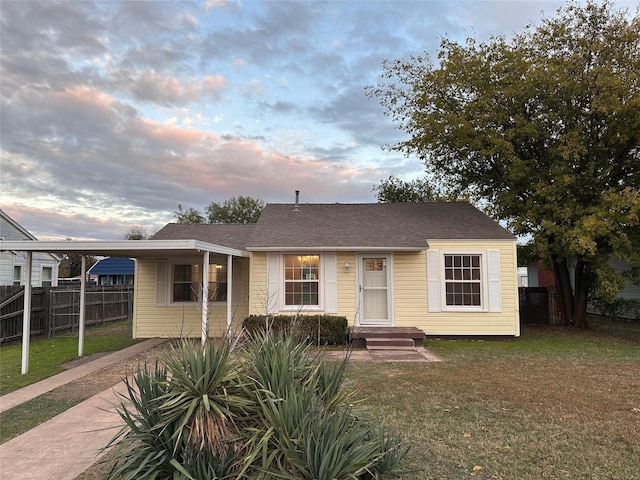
x=44, y=271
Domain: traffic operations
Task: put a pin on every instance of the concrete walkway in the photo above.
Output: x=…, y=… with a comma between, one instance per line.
x=68, y=444
x=34, y=390
x=65, y=446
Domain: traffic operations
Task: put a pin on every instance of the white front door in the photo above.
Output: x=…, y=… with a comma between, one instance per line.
x=374, y=289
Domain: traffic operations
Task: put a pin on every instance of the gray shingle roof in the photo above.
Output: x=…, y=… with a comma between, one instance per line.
x=346, y=225
x=373, y=225
x=226, y=235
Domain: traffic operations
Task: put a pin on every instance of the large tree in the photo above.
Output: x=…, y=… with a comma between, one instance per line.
x=394, y=189
x=418, y=190
x=234, y=210
x=545, y=129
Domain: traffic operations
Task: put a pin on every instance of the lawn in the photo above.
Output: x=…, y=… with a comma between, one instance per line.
x=46, y=356
x=553, y=404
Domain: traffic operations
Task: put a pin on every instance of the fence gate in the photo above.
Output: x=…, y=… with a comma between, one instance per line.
x=534, y=305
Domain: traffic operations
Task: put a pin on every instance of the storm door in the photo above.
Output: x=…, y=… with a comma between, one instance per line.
x=375, y=291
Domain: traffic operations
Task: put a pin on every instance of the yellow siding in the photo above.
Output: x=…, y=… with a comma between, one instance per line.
x=409, y=280
x=506, y=322
x=347, y=287
x=409, y=289
x=173, y=321
x=258, y=284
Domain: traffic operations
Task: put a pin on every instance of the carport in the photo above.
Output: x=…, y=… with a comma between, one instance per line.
x=121, y=248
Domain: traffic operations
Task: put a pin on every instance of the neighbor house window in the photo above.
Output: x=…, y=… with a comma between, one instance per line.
x=187, y=280
x=47, y=276
x=17, y=274
x=462, y=280
x=301, y=280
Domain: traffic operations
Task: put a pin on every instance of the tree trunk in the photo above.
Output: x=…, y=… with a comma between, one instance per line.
x=563, y=285
x=582, y=277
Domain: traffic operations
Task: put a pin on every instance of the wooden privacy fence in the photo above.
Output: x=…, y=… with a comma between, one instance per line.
x=57, y=309
x=535, y=305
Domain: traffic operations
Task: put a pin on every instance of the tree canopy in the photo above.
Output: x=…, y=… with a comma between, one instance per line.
x=394, y=189
x=545, y=129
x=234, y=210
x=136, y=232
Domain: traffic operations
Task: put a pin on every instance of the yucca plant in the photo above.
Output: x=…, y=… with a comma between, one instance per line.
x=276, y=410
x=145, y=443
x=204, y=396
x=180, y=418
x=307, y=427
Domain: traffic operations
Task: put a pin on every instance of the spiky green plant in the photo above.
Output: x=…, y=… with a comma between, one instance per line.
x=307, y=428
x=277, y=410
x=145, y=442
x=204, y=396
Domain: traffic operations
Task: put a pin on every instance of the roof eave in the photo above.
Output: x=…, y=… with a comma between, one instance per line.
x=330, y=248
x=129, y=248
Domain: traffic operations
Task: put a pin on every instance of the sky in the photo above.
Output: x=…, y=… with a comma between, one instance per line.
x=114, y=113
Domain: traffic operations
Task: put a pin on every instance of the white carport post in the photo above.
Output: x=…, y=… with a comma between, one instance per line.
x=26, y=316
x=83, y=303
x=229, y=292
x=205, y=297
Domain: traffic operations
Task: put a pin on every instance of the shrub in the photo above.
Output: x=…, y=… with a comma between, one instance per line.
x=274, y=410
x=317, y=329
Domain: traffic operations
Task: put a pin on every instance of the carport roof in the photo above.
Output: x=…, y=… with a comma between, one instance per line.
x=122, y=248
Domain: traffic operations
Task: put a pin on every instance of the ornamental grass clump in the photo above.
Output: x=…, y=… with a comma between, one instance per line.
x=274, y=409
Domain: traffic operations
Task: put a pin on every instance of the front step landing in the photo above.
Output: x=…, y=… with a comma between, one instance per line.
x=388, y=338
x=390, y=343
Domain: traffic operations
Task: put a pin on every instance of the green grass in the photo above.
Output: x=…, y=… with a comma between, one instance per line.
x=30, y=414
x=554, y=404
x=46, y=356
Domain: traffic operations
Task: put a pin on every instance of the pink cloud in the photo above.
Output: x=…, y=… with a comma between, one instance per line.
x=155, y=87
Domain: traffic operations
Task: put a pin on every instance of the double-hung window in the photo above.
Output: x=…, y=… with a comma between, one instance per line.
x=187, y=279
x=463, y=281
x=186, y=282
x=301, y=280
x=17, y=274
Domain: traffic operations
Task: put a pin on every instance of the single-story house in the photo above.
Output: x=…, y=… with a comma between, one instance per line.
x=443, y=267
x=13, y=264
x=112, y=271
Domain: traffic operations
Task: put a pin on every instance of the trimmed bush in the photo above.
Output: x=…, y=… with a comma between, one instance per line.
x=317, y=329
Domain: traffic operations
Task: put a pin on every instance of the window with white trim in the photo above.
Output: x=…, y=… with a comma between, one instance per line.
x=463, y=281
x=17, y=274
x=187, y=279
x=301, y=280
x=47, y=276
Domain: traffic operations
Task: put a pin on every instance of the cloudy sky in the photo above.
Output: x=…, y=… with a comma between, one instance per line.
x=113, y=113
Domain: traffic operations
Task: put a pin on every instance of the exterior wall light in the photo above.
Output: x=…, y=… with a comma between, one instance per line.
x=347, y=267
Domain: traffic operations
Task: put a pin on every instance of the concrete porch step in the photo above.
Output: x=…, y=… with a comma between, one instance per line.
x=401, y=336
x=382, y=343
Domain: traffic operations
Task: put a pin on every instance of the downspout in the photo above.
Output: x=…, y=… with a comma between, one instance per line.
x=26, y=316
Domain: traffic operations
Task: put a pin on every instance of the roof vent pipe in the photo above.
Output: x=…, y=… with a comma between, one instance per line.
x=296, y=207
